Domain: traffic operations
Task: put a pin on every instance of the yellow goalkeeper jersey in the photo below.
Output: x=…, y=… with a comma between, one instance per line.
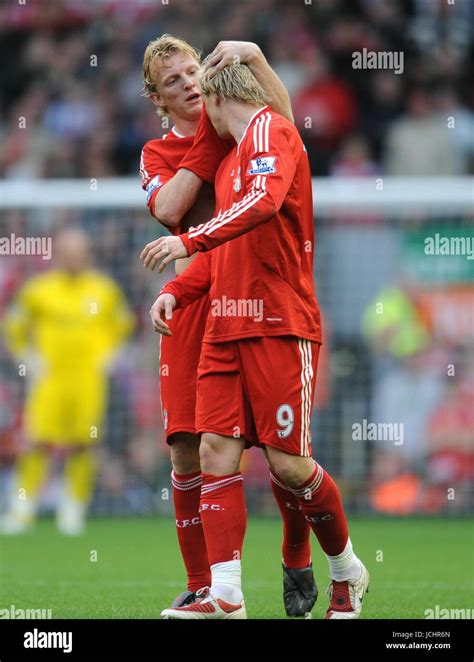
x=74, y=322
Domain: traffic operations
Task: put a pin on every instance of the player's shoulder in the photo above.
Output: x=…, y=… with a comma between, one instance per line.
x=269, y=128
x=155, y=146
x=39, y=284
x=277, y=119
x=168, y=141
x=155, y=153
x=283, y=126
x=42, y=279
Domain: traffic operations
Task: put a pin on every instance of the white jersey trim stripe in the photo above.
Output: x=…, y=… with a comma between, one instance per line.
x=240, y=211
x=267, y=132
x=255, y=133
x=302, y=427
x=307, y=351
x=308, y=375
x=260, y=134
x=248, y=125
x=193, y=232
x=236, y=205
x=306, y=381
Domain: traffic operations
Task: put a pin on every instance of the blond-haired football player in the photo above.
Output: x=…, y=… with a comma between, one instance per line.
x=180, y=198
x=259, y=247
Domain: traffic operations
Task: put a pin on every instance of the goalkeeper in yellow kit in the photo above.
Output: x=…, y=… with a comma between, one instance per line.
x=63, y=328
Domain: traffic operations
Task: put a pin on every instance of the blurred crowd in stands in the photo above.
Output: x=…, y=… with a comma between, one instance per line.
x=71, y=106
x=73, y=71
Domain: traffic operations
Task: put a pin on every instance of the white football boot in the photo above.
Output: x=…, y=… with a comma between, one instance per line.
x=71, y=516
x=11, y=524
x=206, y=607
x=21, y=512
x=346, y=597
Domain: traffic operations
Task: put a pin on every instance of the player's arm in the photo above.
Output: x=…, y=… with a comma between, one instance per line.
x=204, y=157
x=18, y=320
x=182, y=291
x=246, y=52
x=169, y=195
x=264, y=195
x=176, y=197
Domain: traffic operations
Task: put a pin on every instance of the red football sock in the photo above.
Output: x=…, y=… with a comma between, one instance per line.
x=224, y=516
x=321, y=504
x=186, y=497
x=296, y=548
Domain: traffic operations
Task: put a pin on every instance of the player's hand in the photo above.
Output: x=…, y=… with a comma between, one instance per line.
x=230, y=52
x=163, y=307
x=163, y=251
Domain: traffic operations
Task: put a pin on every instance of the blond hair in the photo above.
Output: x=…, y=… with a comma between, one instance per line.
x=155, y=53
x=236, y=82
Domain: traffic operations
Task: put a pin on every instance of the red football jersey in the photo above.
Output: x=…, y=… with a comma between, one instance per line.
x=159, y=162
x=261, y=282
x=201, y=153
x=208, y=150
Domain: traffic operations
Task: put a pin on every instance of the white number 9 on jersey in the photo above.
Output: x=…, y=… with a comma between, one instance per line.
x=286, y=420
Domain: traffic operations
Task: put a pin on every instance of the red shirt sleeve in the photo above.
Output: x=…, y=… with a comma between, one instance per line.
x=193, y=283
x=268, y=167
x=207, y=151
x=154, y=172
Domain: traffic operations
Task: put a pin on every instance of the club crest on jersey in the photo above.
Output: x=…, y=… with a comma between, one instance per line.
x=237, y=181
x=262, y=165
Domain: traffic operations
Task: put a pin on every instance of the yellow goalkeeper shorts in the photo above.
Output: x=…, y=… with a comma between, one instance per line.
x=66, y=410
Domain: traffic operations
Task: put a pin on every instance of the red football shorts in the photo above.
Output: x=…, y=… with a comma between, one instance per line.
x=259, y=388
x=179, y=360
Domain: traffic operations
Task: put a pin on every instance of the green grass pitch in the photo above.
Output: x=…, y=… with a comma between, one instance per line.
x=414, y=564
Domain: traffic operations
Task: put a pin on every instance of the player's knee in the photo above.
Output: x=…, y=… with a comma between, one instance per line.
x=290, y=469
x=209, y=447
x=220, y=455
x=210, y=451
x=185, y=454
x=290, y=476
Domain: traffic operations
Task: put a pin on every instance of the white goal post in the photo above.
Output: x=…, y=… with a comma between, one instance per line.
x=437, y=196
